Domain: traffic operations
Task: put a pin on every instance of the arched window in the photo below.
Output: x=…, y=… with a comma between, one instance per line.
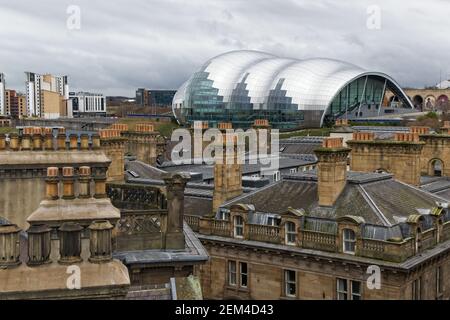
x=349, y=241
x=291, y=234
x=238, y=227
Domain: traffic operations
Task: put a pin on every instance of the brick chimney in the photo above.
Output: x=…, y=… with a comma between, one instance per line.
x=227, y=174
x=331, y=170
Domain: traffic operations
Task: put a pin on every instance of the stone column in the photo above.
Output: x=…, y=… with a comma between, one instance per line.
x=175, y=185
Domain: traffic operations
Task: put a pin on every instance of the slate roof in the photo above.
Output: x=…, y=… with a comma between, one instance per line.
x=300, y=145
x=377, y=198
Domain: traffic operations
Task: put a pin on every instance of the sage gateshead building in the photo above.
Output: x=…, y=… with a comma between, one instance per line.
x=241, y=86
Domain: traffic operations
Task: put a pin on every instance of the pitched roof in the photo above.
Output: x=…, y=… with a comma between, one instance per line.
x=377, y=198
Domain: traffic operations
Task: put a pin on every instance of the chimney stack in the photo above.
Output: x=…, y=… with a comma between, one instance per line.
x=73, y=142
x=175, y=186
x=61, y=141
x=68, y=183
x=14, y=141
x=2, y=141
x=84, y=141
x=52, y=183
x=227, y=173
x=331, y=170
x=95, y=141
x=84, y=181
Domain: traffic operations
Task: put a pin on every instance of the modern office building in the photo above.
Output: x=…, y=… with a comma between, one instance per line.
x=241, y=86
x=2, y=95
x=85, y=104
x=154, y=98
x=47, y=95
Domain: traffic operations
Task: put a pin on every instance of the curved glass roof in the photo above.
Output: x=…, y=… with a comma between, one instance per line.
x=262, y=85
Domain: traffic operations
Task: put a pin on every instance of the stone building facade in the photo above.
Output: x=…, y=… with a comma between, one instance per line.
x=25, y=158
x=284, y=242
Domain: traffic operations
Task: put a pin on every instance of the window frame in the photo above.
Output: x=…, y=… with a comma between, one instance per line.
x=416, y=289
x=232, y=274
x=237, y=226
x=290, y=233
x=243, y=273
x=348, y=292
x=439, y=282
x=288, y=283
x=346, y=241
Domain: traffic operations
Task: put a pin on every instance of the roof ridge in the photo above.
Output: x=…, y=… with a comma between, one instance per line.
x=373, y=205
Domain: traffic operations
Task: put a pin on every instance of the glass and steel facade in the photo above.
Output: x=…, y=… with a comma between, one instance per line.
x=241, y=86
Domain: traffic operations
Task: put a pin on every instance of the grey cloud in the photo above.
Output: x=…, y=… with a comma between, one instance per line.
x=159, y=43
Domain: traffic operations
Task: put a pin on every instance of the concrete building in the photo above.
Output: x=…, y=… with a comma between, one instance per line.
x=85, y=104
x=2, y=95
x=47, y=95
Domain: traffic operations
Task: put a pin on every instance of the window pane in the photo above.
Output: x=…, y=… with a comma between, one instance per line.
x=290, y=283
x=232, y=272
x=243, y=274
x=356, y=290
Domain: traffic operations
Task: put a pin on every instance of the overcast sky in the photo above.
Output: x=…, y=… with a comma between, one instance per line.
x=122, y=45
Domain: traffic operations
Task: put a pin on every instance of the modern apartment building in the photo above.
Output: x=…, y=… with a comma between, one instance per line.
x=15, y=104
x=2, y=95
x=47, y=95
x=83, y=104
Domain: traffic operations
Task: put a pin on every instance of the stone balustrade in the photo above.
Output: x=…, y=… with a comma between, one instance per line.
x=395, y=250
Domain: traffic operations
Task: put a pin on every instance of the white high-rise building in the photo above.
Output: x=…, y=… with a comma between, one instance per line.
x=2, y=95
x=37, y=86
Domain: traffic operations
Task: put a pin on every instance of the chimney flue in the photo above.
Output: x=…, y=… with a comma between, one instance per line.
x=100, y=185
x=52, y=183
x=2, y=141
x=70, y=243
x=9, y=245
x=84, y=181
x=84, y=141
x=68, y=182
x=73, y=142
x=61, y=141
x=100, y=241
x=39, y=245
x=95, y=141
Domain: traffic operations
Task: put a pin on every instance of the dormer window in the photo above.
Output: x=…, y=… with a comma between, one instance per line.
x=349, y=241
x=272, y=221
x=223, y=215
x=291, y=234
x=238, y=227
